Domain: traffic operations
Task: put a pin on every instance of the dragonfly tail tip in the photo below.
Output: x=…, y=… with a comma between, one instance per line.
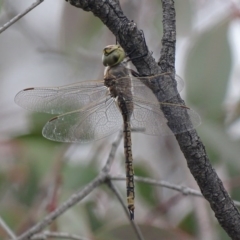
x=131, y=214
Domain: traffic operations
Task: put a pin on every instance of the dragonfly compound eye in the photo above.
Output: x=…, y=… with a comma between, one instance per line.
x=112, y=55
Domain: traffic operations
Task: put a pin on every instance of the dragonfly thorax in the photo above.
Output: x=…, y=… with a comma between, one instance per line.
x=118, y=81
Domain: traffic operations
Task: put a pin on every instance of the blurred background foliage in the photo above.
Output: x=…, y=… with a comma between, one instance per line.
x=58, y=44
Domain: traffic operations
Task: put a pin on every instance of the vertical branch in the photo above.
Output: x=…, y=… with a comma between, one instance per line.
x=167, y=58
x=193, y=149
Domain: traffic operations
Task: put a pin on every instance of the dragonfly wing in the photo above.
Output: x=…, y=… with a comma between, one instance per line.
x=58, y=100
x=141, y=85
x=150, y=119
x=84, y=126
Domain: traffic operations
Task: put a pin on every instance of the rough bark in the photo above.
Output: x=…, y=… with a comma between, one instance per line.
x=130, y=37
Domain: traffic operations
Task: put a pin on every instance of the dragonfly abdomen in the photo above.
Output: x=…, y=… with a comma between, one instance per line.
x=129, y=167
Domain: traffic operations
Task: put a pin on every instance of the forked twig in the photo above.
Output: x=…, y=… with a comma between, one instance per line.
x=76, y=197
x=19, y=16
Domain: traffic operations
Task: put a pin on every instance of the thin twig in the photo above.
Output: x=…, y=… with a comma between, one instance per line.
x=180, y=188
x=183, y=189
x=7, y=229
x=19, y=16
x=47, y=234
x=134, y=225
x=75, y=198
x=112, y=153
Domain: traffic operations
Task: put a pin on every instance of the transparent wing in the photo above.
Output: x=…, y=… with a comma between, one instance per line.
x=149, y=119
x=141, y=89
x=84, y=126
x=58, y=100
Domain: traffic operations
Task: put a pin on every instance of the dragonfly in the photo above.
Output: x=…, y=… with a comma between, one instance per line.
x=92, y=110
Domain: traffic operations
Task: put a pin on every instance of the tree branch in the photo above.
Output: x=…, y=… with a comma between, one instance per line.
x=191, y=145
x=127, y=34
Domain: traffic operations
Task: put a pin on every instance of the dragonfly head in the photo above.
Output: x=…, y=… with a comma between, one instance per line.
x=112, y=55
